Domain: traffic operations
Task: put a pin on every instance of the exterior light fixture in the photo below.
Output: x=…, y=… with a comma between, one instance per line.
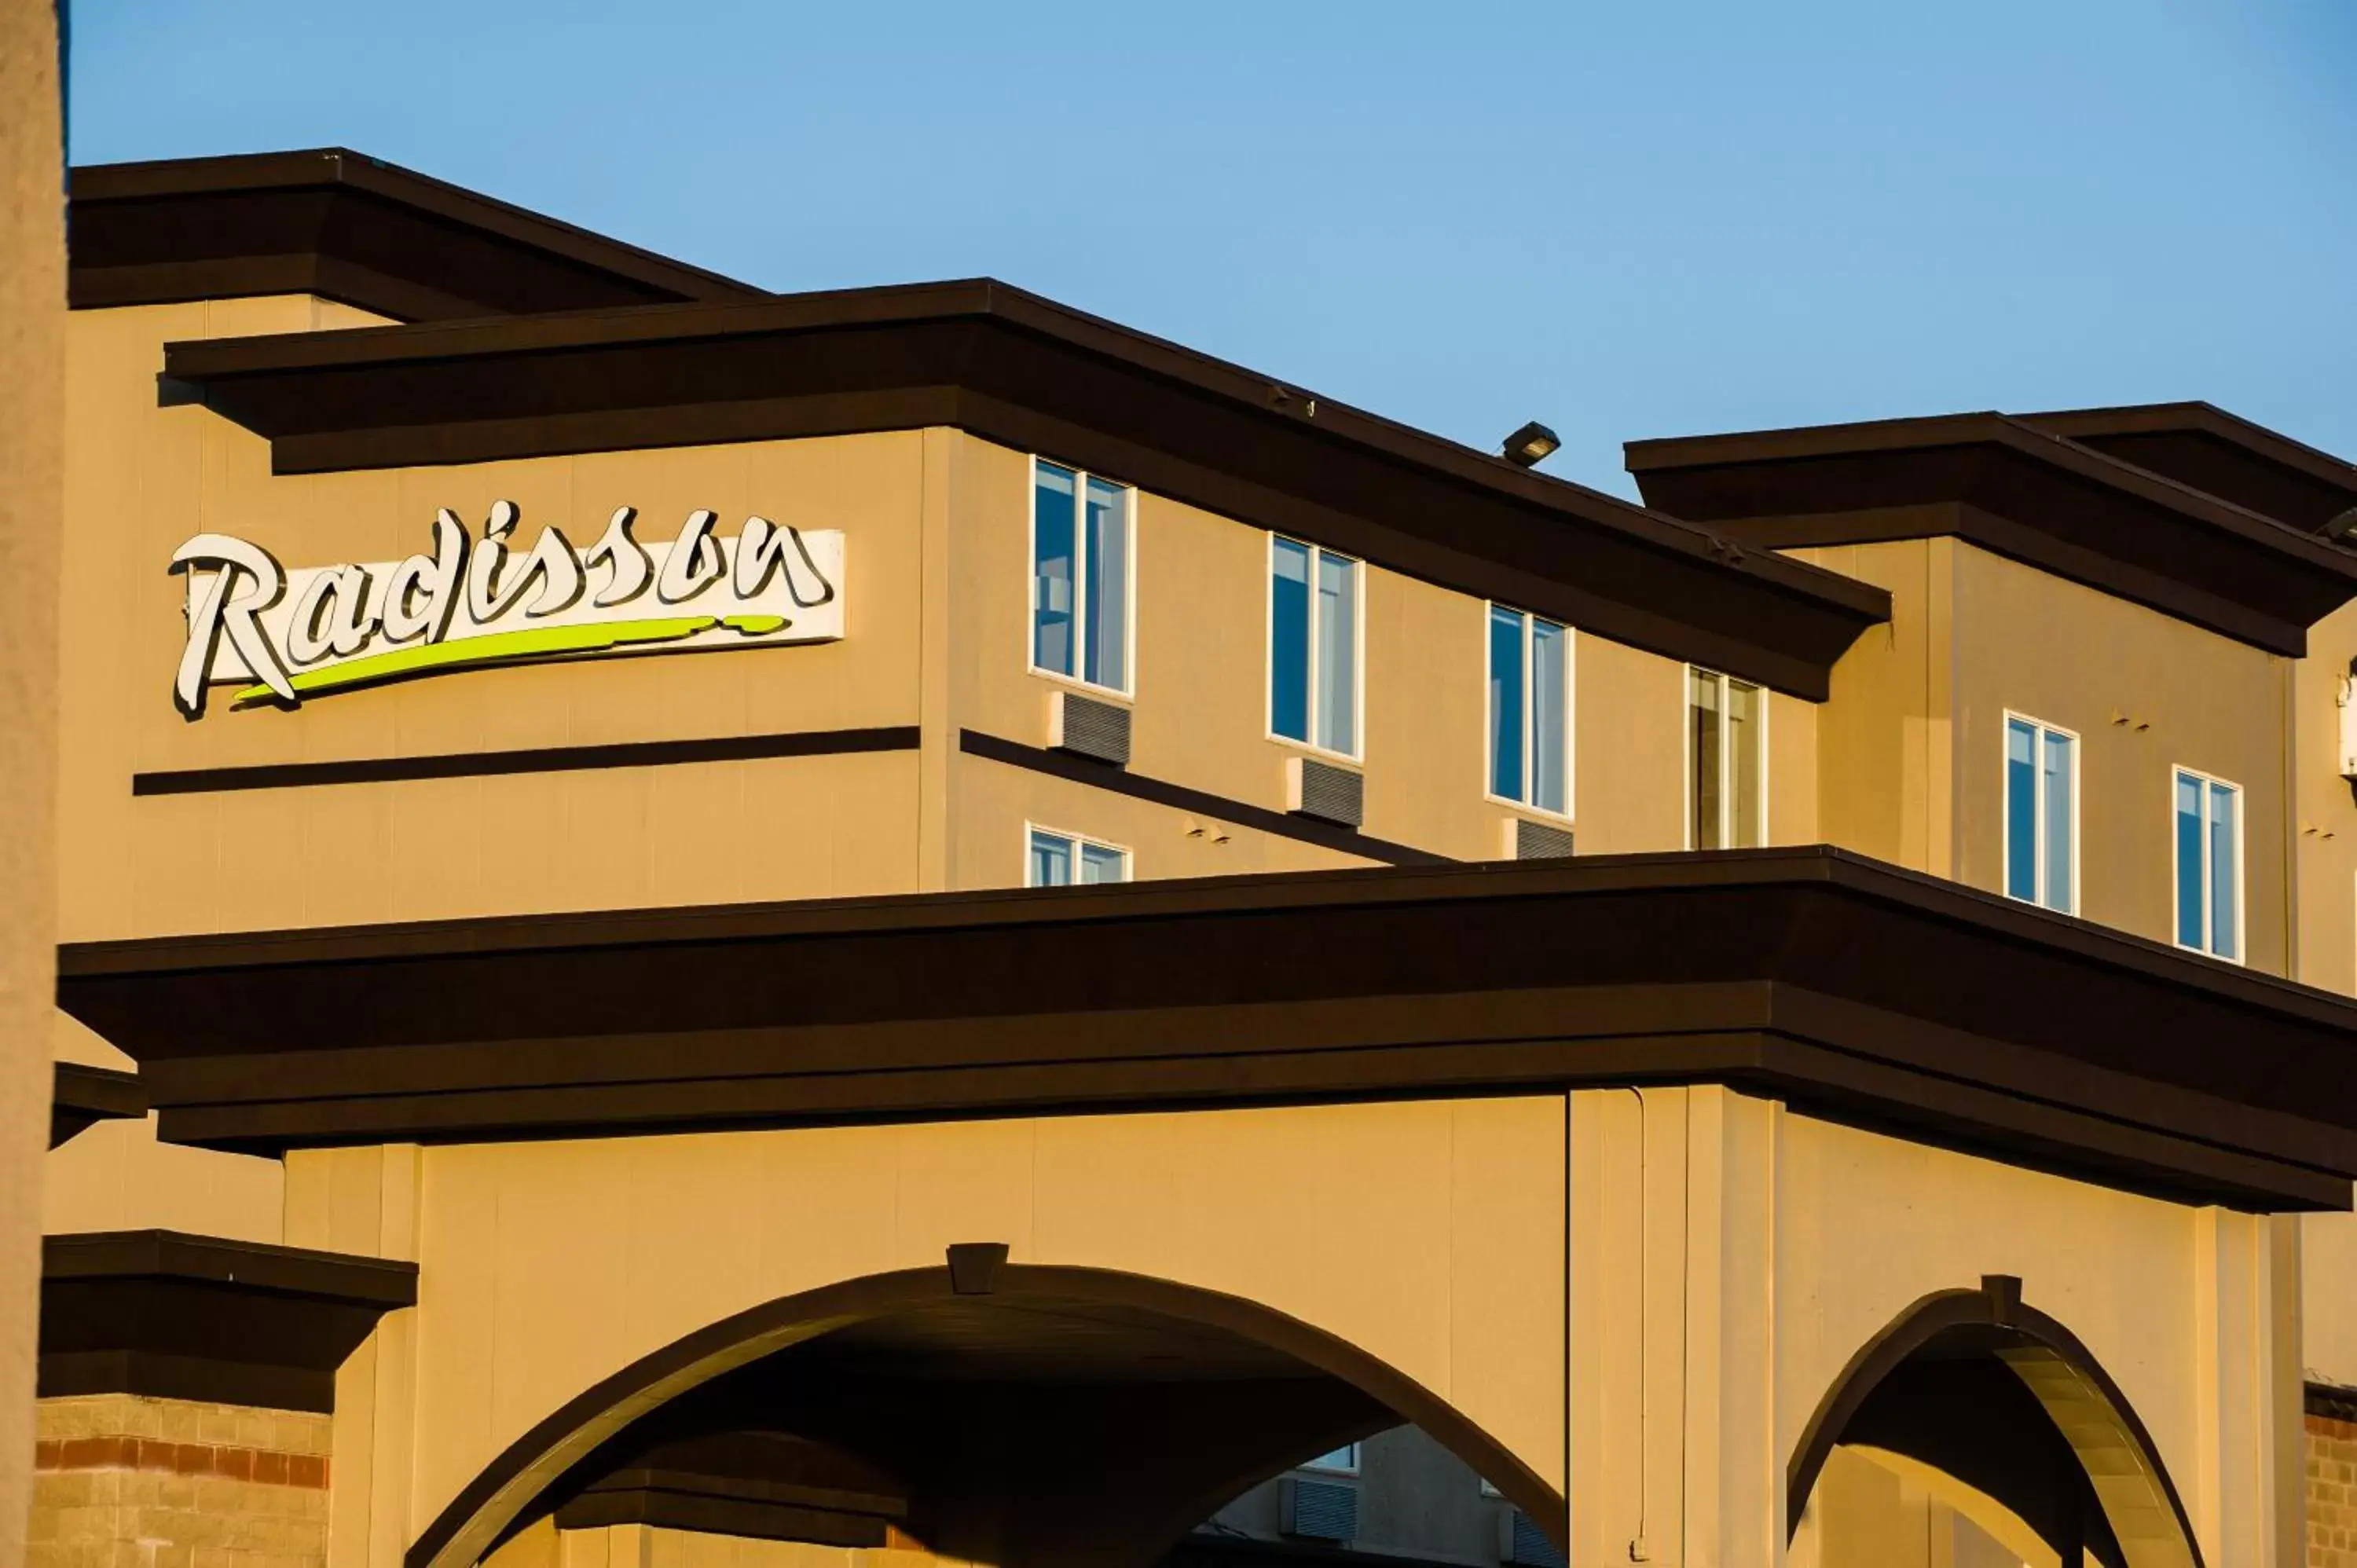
x=2343, y=528
x=1532, y=444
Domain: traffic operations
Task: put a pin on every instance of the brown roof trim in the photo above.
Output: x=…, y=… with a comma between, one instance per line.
x=1031, y=374
x=2203, y=445
x=2019, y=491
x=2329, y=1402
x=345, y=226
x=200, y=1317
x=1844, y=985
x=83, y=1096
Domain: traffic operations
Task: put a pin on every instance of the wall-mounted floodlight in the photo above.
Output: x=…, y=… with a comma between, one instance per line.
x=1531, y=442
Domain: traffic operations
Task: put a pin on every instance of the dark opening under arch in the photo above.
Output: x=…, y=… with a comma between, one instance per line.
x=2008, y=1401
x=1252, y=1389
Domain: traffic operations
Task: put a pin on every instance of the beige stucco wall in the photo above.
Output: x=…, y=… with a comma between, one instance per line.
x=546, y=1267
x=1725, y=1260
x=1913, y=744
x=1729, y=1257
x=142, y=478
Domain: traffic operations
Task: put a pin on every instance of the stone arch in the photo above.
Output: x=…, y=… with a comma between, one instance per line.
x=1959, y=1381
x=507, y=1490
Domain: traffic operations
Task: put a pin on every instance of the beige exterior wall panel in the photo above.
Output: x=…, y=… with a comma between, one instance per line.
x=546, y=1267
x=142, y=480
x=2147, y=694
x=1729, y=1258
x=116, y=1176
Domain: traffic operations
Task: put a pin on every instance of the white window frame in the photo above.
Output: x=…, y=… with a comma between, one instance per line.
x=1080, y=579
x=1350, y=1467
x=1725, y=754
x=1530, y=752
x=2037, y=815
x=1358, y=652
x=2242, y=868
x=1128, y=861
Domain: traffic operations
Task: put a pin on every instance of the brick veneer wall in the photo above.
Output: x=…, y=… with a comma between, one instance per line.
x=124, y=1481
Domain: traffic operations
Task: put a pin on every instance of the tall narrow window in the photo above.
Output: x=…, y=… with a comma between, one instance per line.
x=1530, y=711
x=1080, y=575
x=1060, y=860
x=1726, y=774
x=1313, y=646
x=2042, y=814
x=2209, y=866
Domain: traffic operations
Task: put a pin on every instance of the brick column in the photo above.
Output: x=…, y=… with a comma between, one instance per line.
x=129, y=1481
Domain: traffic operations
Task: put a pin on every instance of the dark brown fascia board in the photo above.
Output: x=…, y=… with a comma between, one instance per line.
x=1022, y=371
x=1848, y=987
x=2200, y=445
x=346, y=226
x=2019, y=491
x=200, y=1317
x=81, y=1096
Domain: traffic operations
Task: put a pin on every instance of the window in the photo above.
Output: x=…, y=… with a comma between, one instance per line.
x=1058, y=860
x=1081, y=582
x=2042, y=814
x=1726, y=785
x=1530, y=711
x=1342, y=1461
x=2209, y=866
x=1313, y=647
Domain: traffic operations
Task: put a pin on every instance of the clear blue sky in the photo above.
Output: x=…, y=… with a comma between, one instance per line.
x=1625, y=219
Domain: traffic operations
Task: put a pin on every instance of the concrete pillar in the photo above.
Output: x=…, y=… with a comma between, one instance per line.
x=1673, y=1324
x=32, y=498
x=365, y=1201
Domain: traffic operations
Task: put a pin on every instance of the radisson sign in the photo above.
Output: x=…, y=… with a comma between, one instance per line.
x=283, y=635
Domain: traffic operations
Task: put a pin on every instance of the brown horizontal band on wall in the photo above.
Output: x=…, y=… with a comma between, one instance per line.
x=1120, y=781
x=1847, y=988
x=201, y=1318
x=539, y=760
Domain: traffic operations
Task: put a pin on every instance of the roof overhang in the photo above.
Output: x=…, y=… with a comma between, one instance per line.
x=80, y=1097
x=1024, y=371
x=1847, y=987
x=2020, y=491
x=2199, y=445
x=200, y=1317
x=346, y=227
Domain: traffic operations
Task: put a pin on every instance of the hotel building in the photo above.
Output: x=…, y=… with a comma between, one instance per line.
x=702, y=926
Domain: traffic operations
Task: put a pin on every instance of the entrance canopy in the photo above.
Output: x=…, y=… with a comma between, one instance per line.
x=1846, y=987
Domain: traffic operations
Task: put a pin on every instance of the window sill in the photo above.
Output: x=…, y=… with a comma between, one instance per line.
x=1087, y=688
x=1321, y=753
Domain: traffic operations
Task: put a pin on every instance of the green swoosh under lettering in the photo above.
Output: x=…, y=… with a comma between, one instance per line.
x=502, y=648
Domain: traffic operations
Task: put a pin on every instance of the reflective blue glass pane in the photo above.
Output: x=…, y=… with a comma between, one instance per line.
x=1337, y=653
x=1505, y=704
x=1107, y=567
x=1288, y=640
x=2225, y=872
x=2188, y=860
x=1052, y=861
x=1550, y=716
x=2020, y=811
x=1052, y=523
x=2060, y=821
x=1099, y=863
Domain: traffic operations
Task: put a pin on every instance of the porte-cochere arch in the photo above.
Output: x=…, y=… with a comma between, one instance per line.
x=2009, y=1402
x=994, y=1410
